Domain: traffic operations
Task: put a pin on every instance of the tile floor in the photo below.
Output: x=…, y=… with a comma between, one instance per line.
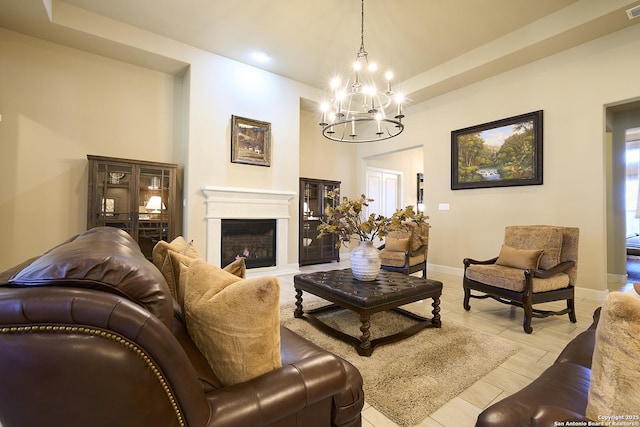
x=538, y=350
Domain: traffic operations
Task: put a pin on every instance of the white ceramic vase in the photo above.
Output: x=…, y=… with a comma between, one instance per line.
x=365, y=261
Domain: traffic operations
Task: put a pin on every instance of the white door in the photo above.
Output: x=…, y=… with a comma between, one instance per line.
x=383, y=186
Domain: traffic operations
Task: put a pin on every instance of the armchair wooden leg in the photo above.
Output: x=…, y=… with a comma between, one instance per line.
x=572, y=310
x=467, y=296
x=528, y=314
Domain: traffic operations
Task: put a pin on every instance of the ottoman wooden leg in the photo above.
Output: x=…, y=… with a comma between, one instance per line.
x=298, y=311
x=435, y=320
x=364, y=348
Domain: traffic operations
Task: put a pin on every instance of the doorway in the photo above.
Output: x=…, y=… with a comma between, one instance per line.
x=405, y=164
x=621, y=194
x=632, y=203
x=384, y=187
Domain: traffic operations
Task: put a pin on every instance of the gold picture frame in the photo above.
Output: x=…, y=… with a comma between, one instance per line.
x=250, y=141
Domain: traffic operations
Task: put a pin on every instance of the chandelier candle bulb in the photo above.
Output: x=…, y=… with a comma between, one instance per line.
x=389, y=76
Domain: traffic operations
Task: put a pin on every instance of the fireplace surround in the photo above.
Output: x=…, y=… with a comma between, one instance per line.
x=247, y=203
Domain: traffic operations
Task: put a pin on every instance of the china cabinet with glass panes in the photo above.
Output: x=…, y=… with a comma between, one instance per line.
x=139, y=197
x=314, y=201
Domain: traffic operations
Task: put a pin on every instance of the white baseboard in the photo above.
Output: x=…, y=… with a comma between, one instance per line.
x=593, y=294
x=617, y=278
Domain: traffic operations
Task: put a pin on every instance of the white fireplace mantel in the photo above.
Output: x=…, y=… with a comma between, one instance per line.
x=247, y=203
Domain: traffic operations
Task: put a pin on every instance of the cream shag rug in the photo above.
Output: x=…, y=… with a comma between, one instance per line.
x=409, y=379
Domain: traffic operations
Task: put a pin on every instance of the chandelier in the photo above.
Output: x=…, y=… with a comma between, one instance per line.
x=359, y=111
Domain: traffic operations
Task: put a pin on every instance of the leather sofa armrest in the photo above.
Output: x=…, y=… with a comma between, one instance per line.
x=548, y=415
x=277, y=394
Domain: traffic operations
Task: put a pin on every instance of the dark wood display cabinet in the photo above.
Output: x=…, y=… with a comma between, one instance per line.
x=136, y=196
x=313, y=204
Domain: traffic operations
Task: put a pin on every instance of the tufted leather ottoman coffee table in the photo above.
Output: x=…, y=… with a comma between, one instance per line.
x=388, y=292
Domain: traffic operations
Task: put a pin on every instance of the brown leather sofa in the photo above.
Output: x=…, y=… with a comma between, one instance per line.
x=559, y=394
x=90, y=336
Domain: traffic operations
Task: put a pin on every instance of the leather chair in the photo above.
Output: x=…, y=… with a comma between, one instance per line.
x=537, y=264
x=405, y=251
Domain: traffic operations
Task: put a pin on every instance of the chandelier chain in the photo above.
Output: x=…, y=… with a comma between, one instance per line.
x=362, y=50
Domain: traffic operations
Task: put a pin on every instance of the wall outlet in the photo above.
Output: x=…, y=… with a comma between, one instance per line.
x=443, y=206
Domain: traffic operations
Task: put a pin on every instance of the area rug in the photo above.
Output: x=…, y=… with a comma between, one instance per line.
x=410, y=379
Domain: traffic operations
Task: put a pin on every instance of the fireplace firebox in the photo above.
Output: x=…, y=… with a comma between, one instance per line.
x=252, y=239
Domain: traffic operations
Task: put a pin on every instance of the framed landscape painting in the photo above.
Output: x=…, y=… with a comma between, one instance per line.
x=250, y=141
x=502, y=153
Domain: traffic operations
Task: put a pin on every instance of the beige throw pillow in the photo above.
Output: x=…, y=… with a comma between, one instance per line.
x=519, y=258
x=396, y=244
x=167, y=266
x=545, y=238
x=191, y=251
x=235, y=323
x=615, y=368
x=237, y=268
x=159, y=252
x=179, y=266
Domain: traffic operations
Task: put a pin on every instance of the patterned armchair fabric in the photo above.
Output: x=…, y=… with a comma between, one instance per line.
x=551, y=256
x=406, y=250
x=540, y=236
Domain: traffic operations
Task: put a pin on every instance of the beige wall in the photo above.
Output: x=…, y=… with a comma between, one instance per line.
x=573, y=88
x=58, y=105
x=324, y=159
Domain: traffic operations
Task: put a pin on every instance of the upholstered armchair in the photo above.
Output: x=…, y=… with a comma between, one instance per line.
x=537, y=264
x=405, y=251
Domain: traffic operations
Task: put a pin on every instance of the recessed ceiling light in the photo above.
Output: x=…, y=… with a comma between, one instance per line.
x=261, y=56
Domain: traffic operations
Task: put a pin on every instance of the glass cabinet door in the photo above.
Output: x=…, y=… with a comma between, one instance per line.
x=114, y=194
x=328, y=242
x=153, y=210
x=314, y=200
x=311, y=247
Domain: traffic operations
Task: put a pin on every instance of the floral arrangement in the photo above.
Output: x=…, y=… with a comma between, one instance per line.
x=346, y=220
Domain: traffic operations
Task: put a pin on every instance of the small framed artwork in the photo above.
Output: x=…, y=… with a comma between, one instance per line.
x=503, y=153
x=250, y=141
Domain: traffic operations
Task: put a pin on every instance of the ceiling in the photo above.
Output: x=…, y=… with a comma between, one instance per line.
x=309, y=40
